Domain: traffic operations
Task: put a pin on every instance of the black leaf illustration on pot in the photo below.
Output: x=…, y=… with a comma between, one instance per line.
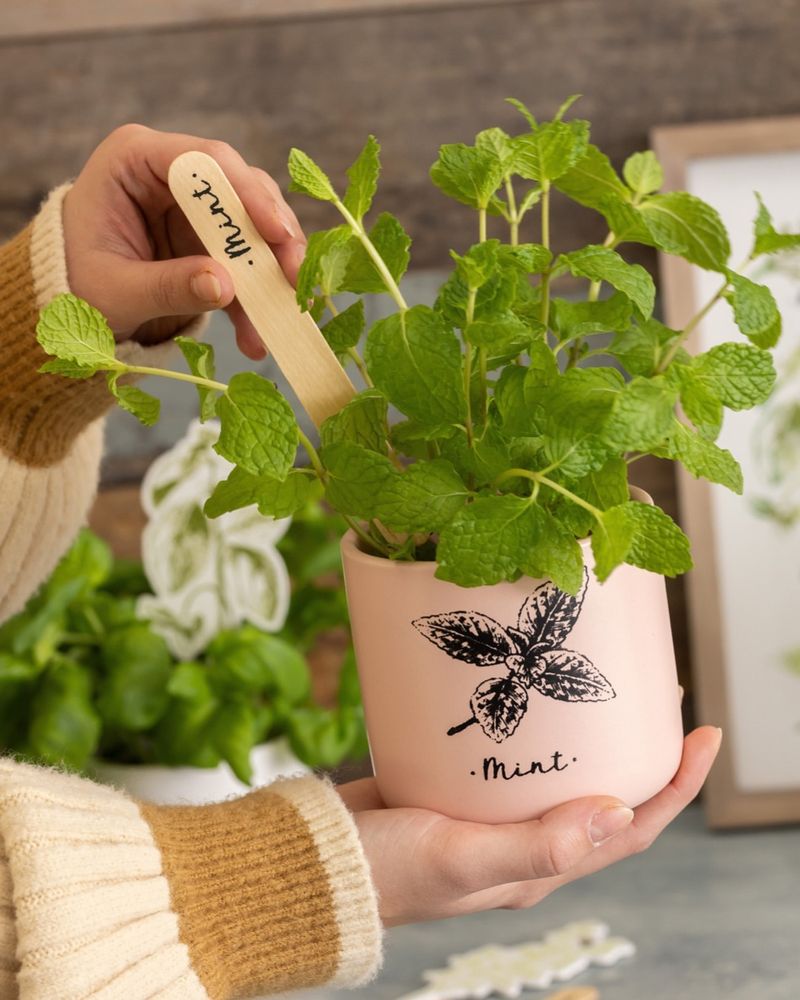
x=532, y=653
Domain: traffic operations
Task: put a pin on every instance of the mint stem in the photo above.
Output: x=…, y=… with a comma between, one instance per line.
x=690, y=326
x=481, y=225
x=372, y=250
x=538, y=477
x=545, y=314
x=178, y=376
x=352, y=353
x=512, y=211
x=468, y=365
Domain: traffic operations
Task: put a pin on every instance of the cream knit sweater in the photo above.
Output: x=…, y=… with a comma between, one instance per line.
x=102, y=897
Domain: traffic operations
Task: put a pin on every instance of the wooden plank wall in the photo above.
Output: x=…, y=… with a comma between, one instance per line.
x=416, y=78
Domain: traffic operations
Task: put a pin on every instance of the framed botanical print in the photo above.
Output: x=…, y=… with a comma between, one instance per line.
x=744, y=594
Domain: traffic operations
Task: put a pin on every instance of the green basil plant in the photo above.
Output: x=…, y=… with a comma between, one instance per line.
x=82, y=677
x=523, y=410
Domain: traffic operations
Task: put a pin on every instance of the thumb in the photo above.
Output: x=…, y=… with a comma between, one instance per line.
x=148, y=290
x=486, y=856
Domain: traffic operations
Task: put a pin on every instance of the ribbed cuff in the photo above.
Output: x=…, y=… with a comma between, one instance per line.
x=272, y=890
x=342, y=855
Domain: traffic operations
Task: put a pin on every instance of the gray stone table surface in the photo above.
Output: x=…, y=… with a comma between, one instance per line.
x=714, y=916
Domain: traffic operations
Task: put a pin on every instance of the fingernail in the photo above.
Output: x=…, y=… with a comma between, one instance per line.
x=287, y=221
x=207, y=288
x=609, y=822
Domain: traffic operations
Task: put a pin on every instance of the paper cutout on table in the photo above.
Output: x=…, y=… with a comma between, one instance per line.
x=206, y=575
x=575, y=993
x=498, y=970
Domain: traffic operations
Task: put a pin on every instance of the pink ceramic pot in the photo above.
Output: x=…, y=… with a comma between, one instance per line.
x=494, y=704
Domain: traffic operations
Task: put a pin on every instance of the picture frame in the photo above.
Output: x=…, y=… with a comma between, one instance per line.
x=744, y=589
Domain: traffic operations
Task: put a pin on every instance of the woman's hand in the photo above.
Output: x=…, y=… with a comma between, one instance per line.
x=132, y=254
x=426, y=866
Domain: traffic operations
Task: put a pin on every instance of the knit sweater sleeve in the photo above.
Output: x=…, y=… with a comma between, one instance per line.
x=104, y=898
x=51, y=428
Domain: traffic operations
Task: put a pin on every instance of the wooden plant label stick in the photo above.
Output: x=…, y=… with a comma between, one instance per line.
x=217, y=215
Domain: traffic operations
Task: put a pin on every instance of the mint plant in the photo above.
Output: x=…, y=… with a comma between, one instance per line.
x=524, y=410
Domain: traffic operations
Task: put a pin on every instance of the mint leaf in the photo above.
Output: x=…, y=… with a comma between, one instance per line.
x=274, y=497
x=362, y=421
x=574, y=410
x=505, y=330
x=607, y=486
x=72, y=330
x=702, y=458
x=200, y=358
x=470, y=174
x=699, y=404
x=603, y=264
x=593, y=182
x=142, y=405
x=641, y=347
x=308, y=178
x=392, y=243
x=413, y=439
x=356, y=478
x=484, y=461
x=486, y=541
x=426, y=497
x=739, y=375
x=555, y=554
x=344, y=331
x=240, y=489
x=658, y=544
x=549, y=150
x=532, y=258
x=612, y=540
x=363, y=177
x=767, y=238
x=755, y=311
x=478, y=264
x=258, y=429
x=69, y=369
x=415, y=360
x=642, y=414
x=331, y=246
x=524, y=111
x=498, y=144
x=681, y=224
x=580, y=319
x=333, y=264
x=643, y=173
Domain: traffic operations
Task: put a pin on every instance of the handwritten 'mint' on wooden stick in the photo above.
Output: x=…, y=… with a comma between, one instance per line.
x=217, y=215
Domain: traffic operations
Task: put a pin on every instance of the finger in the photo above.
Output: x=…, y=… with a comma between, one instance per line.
x=267, y=208
x=145, y=290
x=288, y=213
x=361, y=795
x=247, y=340
x=650, y=819
x=290, y=256
x=479, y=856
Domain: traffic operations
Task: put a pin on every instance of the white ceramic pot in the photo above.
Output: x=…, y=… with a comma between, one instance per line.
x=164, y=785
